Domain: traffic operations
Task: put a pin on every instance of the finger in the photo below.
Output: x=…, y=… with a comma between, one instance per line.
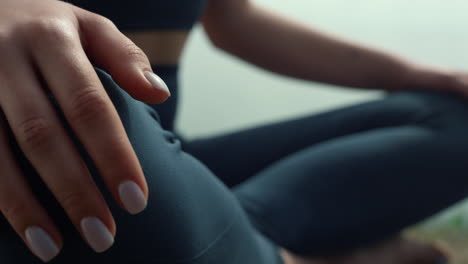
x=21, y=209
x=126, y=62
x=51, y=152
x=92, y=116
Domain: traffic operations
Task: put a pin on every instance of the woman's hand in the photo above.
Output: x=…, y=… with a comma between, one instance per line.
x=436, y=79
x=47, y=45
x=457, y=82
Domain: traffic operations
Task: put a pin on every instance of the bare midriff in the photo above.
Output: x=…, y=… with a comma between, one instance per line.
x=161, y=47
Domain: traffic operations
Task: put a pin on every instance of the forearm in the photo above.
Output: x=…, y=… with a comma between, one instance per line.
x=290, y=48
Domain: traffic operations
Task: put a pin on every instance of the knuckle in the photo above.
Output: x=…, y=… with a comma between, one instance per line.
x=35, y=133
x=72, y=200
x=7, y=43
x=87, y=105
x=5, y=40
x=14, y=211
x=134, y=52
x=4, y=49
x=49, y=30
x=104, y=21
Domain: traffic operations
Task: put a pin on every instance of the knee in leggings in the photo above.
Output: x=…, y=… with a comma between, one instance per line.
x=436, y=109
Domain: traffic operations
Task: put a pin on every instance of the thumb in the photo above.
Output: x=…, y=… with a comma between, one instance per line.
x=128, y=65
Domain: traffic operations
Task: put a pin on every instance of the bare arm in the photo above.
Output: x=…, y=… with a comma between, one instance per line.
x=281, y=45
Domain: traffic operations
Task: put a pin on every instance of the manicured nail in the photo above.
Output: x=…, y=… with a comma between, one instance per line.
x=157, y=82
x=132, y=197
x=41, y=243
x=97, y=234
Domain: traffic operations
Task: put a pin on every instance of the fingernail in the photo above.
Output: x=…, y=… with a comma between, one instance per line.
x=41, y=243
x=132, y=197
x=97, y=234
x=157, y=82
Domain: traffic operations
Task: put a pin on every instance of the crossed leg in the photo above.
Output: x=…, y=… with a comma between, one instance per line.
x=348, y=178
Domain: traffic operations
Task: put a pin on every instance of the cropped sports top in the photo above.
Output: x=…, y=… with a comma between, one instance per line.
x=145, y=15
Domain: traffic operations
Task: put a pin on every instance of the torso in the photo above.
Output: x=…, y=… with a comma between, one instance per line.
x=159, y=27
x=161, y=47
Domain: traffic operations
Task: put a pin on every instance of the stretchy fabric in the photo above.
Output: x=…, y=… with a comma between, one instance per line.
x=315, y=185
x=145, y=15
x=191, y=216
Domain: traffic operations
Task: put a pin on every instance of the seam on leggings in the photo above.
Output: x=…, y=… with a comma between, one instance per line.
x=212, y=244
x=425, y=120
x=449, y=102
x=204, y=251
x=257, y=220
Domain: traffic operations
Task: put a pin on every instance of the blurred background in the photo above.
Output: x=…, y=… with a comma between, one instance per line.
x=240, y=96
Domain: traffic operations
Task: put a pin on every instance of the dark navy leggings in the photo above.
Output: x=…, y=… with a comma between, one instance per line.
x=316, y=185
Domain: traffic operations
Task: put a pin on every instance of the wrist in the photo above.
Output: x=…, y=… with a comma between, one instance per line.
x=422, y=77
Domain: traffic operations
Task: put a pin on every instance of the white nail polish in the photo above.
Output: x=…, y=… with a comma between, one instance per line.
x=41, y=243
x=96, y=233
x=132, y=197
x=157, y=82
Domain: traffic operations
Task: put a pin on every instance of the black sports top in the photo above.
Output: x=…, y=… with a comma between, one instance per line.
x=143, y=15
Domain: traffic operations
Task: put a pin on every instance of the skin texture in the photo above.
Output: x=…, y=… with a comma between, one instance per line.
x=48, y=45
x=29, y=67
x=259, y=36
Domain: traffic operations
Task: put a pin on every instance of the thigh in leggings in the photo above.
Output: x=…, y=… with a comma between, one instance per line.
x=345, y=178
x=192, y=218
